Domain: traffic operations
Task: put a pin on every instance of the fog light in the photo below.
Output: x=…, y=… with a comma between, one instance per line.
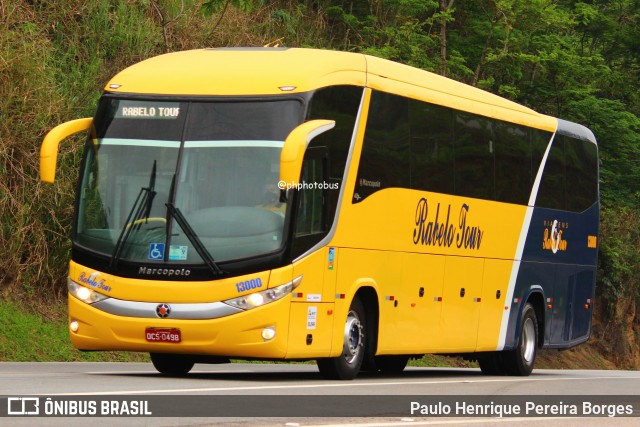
x=74, y=326
x=269, y=333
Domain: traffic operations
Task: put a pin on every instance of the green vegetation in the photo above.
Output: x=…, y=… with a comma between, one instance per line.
x=42, y=335
x=578, y=60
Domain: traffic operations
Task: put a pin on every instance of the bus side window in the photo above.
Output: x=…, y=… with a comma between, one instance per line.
x=581, y=168
x=513, y=163
x=552, y=193
x=570, y=178
x=311, y=219
x=474, y=147
x=386, y=149
x=432, y=156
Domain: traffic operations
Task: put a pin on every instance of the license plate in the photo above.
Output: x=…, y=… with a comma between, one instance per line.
x=171, y=336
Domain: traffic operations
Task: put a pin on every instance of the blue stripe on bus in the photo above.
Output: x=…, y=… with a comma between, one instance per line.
x=559, y=264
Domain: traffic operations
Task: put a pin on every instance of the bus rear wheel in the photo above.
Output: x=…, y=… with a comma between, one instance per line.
x=519, y=362
x=347, y=365
x=172, y=364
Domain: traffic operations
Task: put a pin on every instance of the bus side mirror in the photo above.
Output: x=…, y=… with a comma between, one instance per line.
x=295, y=145
x=49, y=147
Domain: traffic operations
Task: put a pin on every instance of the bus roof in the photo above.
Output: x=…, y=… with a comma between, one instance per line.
x=241, y=71
x=268, y=71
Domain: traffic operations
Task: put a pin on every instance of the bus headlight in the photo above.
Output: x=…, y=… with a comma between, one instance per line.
x=257, y=299
x=84, y=294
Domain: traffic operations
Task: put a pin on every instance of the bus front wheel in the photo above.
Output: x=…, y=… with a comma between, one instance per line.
x=347, y=365
x=172, y=364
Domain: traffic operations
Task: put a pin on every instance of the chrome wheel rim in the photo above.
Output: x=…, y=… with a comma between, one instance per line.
x=353, y=337
x=528, y=341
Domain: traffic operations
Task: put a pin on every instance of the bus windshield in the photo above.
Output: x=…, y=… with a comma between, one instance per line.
x=216, y=163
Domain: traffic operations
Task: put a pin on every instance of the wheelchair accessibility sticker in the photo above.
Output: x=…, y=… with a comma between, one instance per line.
x=156, y=252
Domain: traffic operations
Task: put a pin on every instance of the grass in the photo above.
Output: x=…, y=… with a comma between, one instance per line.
x=36, y=336
x=436, y=361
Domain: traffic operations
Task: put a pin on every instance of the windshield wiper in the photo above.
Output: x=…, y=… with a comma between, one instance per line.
x=194, y=239
x=141, y=209
x=150, y=193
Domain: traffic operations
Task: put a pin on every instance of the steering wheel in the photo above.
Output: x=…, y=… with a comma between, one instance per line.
x=147, y=220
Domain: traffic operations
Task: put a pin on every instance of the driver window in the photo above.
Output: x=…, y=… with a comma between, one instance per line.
x=311, y=213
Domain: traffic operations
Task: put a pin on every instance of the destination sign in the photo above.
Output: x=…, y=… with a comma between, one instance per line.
x=148, y=110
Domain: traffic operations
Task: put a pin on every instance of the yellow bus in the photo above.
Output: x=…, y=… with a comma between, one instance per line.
x=301, y=204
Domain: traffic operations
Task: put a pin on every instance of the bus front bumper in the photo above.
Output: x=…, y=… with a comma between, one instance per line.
x=241, y=335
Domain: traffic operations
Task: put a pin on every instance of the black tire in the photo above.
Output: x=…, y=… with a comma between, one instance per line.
x=392, y=364
x=347, y=365
x=172, y=364
x=370, y=346
x=491, y=364
x=519, y=362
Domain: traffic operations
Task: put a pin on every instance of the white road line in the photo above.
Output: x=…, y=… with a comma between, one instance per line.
x=325, y=385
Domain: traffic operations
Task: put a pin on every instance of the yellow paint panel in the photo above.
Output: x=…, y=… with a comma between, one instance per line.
x=310, y=319
x=494, y=290
x=410, y=220
x=280, y=276
x=460, y=306
x=49, y=147
x=311, y=268
x=420, y=304
x=240, y=72
x=427, y=303
x=382, y=271
x=315, y=294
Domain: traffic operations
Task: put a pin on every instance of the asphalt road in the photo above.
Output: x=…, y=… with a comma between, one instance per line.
x=292, y=395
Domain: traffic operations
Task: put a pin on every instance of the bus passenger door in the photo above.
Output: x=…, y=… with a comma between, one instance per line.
x=311, y=321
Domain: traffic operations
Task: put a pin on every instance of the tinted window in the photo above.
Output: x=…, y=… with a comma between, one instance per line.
x=455, y=152
x=539, y=141
x=324, y=163
x=552, y=185
x=431, y=147
x=270, y=120
x=581, y=159
x=384, y=162
x=570, y=177
x=474, y=156
x=339, y=103
x=513, y=163
x=310, y=217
